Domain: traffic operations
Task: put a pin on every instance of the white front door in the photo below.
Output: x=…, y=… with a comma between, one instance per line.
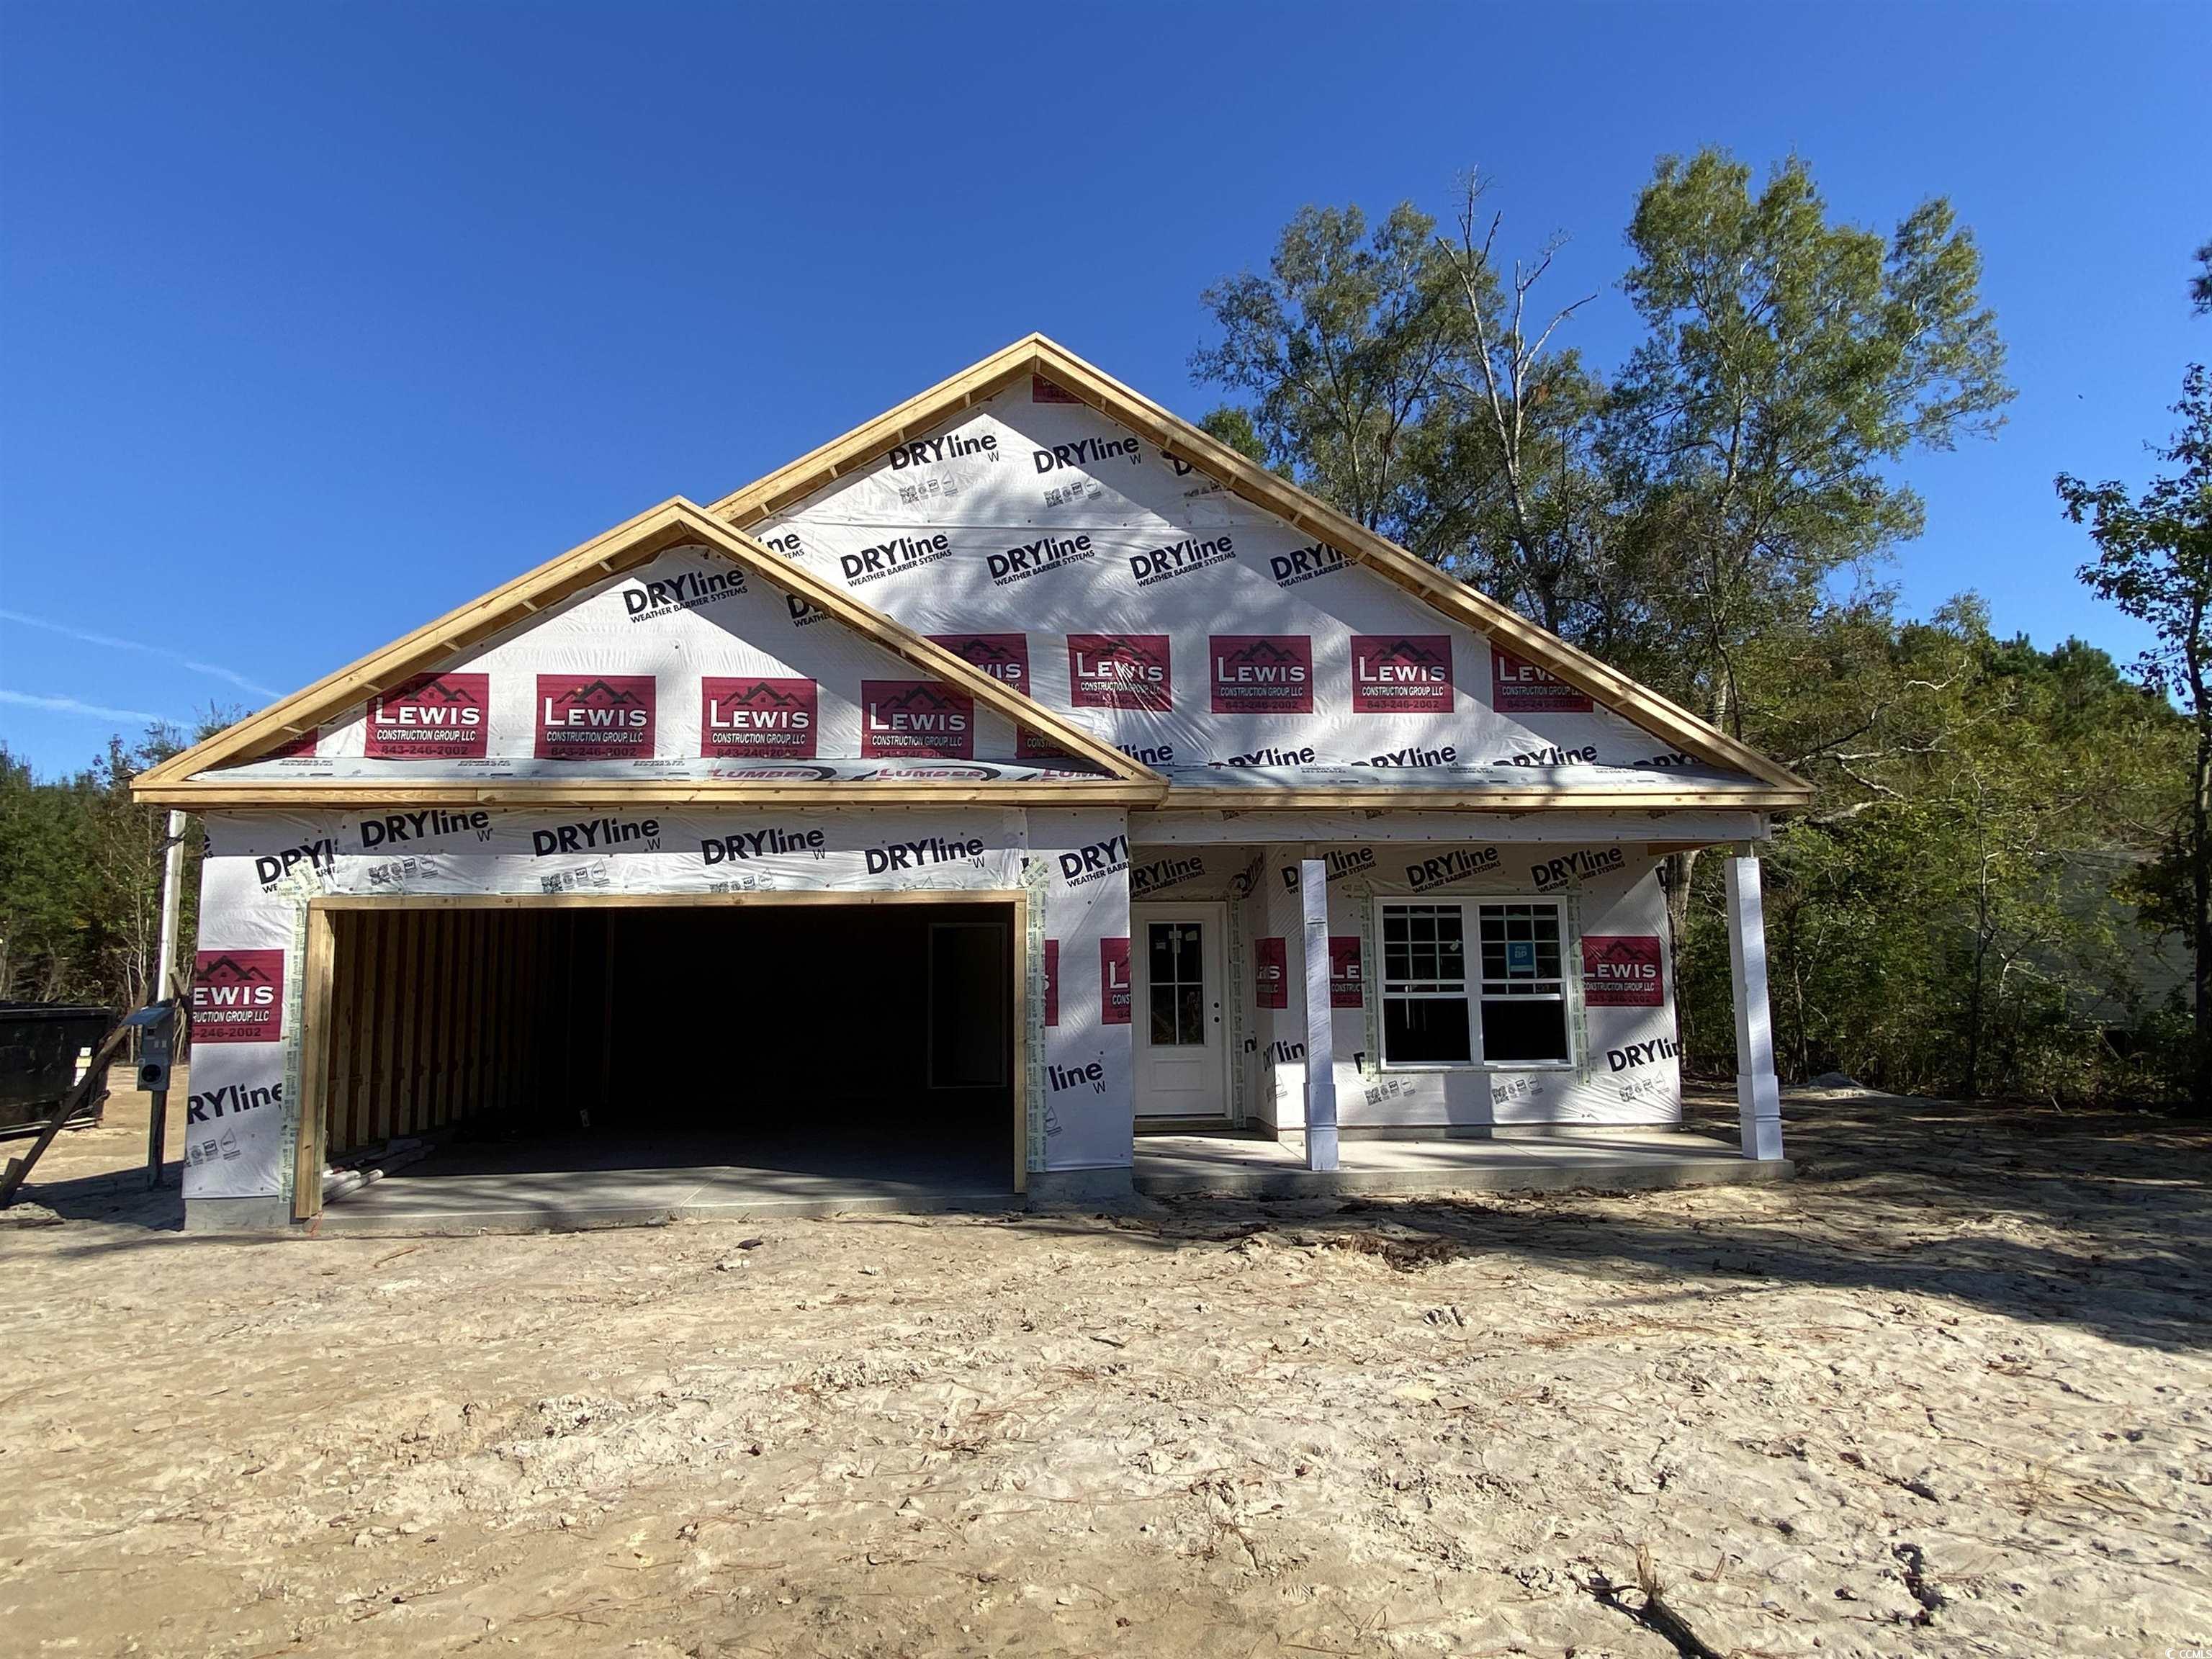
x=1181, y=1048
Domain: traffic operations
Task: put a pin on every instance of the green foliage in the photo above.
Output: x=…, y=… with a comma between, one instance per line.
x=1233, y=426
x=2154, y=562
x=1945, y=920
x=1342, y=348
x=81, y=878
x=1786, y=363
x=1977, y=902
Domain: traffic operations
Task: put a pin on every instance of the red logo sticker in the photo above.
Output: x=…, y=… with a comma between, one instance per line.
x=1347, y=987
x=1522, y=687
x=1271, y=972
x=238, y=996
x=1113, y=981
x=900, y=719
x=1120, y=671
x=1623, y=971
x=595, y=716
x=1051, y=981
x=1401, y=674
x=1004, y=657
x=431, y=717
x=746, y=717
x=1261, y=674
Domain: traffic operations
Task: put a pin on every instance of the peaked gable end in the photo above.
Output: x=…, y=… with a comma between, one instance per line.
x=1221, y=626
x=674, y=657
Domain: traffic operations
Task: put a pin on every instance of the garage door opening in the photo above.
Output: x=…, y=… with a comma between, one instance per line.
x=602, y=1061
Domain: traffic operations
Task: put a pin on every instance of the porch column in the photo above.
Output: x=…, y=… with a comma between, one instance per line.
x=1757, y=1096
x=1321, y=1039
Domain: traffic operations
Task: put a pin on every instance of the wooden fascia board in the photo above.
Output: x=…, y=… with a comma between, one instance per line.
x=1132, y=409
x=829, y=462
x=281, y=795
x=674, y=523
x=923, y=653
x=1454, y=598
x=1248, y=801
x=632, y=542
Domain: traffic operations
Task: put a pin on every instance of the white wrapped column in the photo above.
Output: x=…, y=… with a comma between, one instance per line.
x=1757, y=1096
x=1321, y=1041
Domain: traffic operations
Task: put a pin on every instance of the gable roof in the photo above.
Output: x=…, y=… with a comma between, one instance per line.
x=180, y=780
x=1036, y=354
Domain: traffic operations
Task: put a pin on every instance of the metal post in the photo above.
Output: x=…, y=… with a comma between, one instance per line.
x=165, y=987
x=1757, y=1096
x=1320, y=1038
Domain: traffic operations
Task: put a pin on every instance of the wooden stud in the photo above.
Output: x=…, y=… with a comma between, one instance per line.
x=314, y=1028
x=284, y=794
x=346, y=1033
x=392, y=982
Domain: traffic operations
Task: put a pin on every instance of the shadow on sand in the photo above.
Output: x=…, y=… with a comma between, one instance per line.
x=2100, y=1221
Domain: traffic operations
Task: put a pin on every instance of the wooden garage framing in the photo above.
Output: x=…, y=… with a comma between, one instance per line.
x=421, y=1075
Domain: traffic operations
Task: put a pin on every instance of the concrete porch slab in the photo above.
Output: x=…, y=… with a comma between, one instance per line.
x=1252, y=1165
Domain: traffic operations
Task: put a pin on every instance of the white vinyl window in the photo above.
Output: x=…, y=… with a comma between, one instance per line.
x=1506, y=1006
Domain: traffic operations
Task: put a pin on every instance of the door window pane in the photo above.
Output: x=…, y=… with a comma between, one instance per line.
x=1175, y=953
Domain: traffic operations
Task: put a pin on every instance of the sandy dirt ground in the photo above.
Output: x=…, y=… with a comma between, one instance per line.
x=1945, y=1394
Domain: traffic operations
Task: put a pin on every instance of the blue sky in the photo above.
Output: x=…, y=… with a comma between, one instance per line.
x=317, y=320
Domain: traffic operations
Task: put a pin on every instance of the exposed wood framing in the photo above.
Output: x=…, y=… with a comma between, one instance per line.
x=1502, y=799
x=401, y=990
x=283, y=795
x=314, y=1065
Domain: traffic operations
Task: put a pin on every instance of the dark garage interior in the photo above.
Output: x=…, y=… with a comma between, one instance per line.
x=607, y=1061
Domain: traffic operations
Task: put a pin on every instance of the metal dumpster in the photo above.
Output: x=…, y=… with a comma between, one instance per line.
x=40, y=1043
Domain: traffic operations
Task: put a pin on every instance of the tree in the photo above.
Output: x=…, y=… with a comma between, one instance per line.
x=1788, y=362
x=1520, y=474
x=1343, y=349
x=2200, y=285
x=2154, y=562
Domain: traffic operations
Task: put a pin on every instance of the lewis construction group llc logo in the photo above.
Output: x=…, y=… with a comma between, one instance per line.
x=430, y=717
x=594, y=717
x=752, y=718
x=238, y=996
x=915, y=719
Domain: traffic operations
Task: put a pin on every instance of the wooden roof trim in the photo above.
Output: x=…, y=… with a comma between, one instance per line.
x=209, y=795
x=1508, y=799
x=1036, y=353
x=864, y=443
x=674, y=523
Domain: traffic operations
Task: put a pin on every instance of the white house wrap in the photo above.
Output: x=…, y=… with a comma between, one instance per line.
x=1030, y=651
